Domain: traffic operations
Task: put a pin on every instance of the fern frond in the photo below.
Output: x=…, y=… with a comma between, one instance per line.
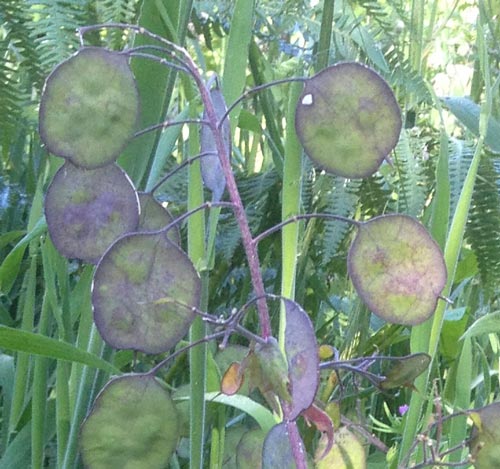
x=483, y=228
x=15, y=19
x=256, y=192
x=341, y=200
x=374, y=196
x=412, y=187
x=12, y=95
x=53, y=28
x=115, y=11
x=404, y=77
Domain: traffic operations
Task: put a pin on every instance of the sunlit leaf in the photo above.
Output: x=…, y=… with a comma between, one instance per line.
x=397, y=269
x=404, y=370
x=468, y=112
x=88, y=209
x=143, y=293
x=89, y=107
x=348, y=119
x=133, y=424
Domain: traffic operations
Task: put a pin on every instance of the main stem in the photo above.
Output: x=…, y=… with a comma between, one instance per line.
x=239, y=211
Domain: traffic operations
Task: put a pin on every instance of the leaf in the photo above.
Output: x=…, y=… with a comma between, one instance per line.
x=89, y=107
x=404, y=370
x=258, y=412
x=324, y=424
x=348, y=120
x=397, y=269
x=347, y=452
x=144, y=292
x=487, y=324
x=301, y=350
x=133, y=423
x=11, y=264
x=467, y=112
x=485, y=438
x=211, y=168
x=273, y=369
x=88, y=209
x=37, y=344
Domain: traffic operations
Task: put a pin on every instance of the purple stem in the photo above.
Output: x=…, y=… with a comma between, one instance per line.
x=296, y=444
x=234, y=195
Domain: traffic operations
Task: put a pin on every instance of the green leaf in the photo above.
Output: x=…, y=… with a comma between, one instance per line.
x=29, y=342
x=487, y=324
x=11, y=264
x=467, y=112
x=404, y=370
x=258, y=412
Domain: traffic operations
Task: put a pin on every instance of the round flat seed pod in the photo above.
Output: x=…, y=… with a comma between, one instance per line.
x=133, y=424
x=348, y=120
x=89, y=107
x=154, y=216
x=397, y=269
x=88, y=209
x=143, y=293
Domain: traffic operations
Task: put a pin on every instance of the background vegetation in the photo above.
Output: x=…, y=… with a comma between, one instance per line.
x=433, y=54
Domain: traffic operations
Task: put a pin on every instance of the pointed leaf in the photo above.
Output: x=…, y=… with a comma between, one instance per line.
x=404, y=370
x=143, y=293
x=273, y=369
x=89, y=107
x=37, y=344
x=211, y=168
x=348, y=120
x=467, y=111
x=397, y=269
x=133, y=423
x=324, y=424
